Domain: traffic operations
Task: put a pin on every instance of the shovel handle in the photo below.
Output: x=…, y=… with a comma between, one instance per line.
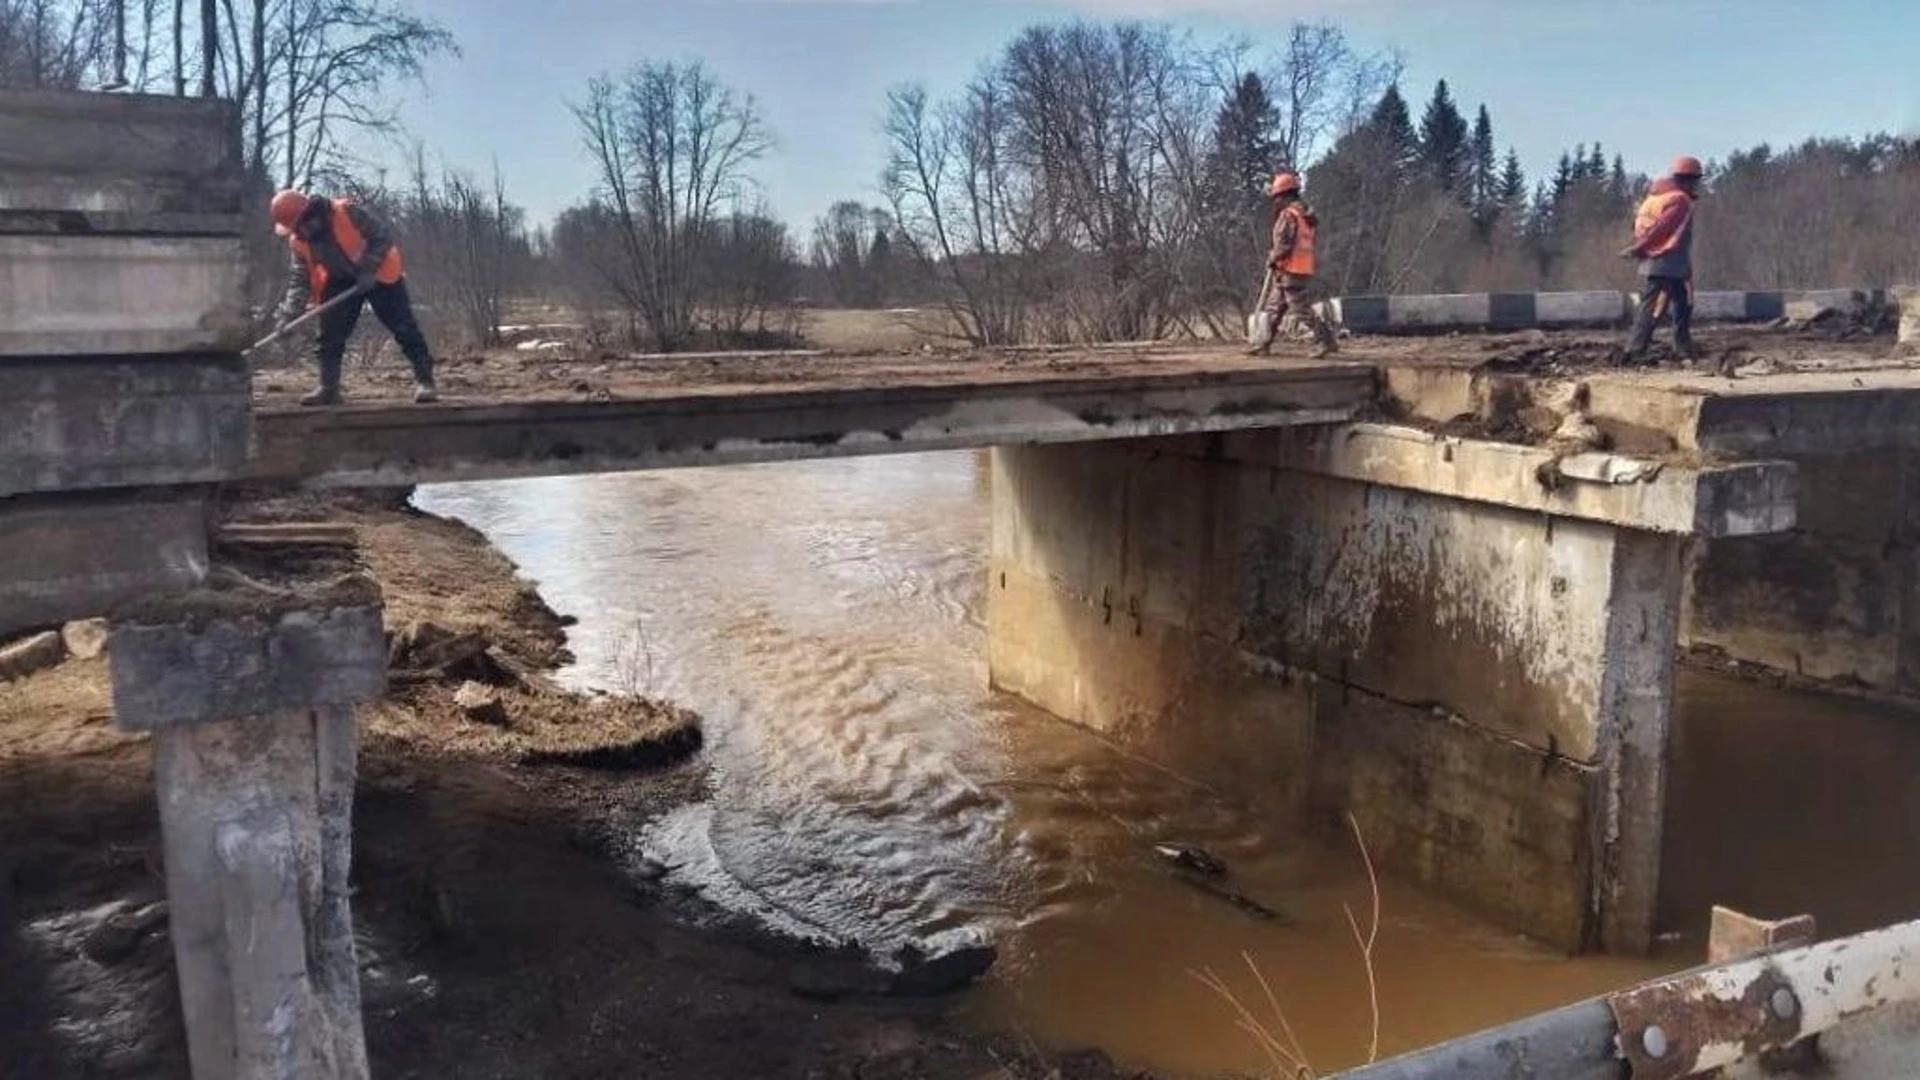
x=309, y=315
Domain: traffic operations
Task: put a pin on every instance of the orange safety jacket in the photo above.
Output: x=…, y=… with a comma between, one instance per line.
x=352, y=244
x=1293, y=241
x=1662, y=222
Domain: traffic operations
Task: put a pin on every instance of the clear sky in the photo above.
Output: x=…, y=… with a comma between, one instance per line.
x=1649, y=78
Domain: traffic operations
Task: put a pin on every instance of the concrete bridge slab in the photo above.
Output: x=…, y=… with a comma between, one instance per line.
x=395, y=446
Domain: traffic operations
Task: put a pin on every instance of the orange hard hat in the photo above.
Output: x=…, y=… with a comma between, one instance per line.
x=1686, y=166
x=1284, y=183
x=286, y=209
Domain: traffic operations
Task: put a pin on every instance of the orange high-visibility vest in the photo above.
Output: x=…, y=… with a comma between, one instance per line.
x=347, y=235
x=1655, y=205
x=1300, y=261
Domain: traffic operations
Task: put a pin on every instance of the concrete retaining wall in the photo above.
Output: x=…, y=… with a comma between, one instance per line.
x=1458, y=676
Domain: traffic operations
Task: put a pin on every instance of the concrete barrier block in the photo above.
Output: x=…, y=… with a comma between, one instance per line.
x=1461, y=311
x=121, y=295
x=79, y=423
x=1720, y=306
x=126, y=153
x=1362, y=314
x=1596, y=308
x=1906, y=300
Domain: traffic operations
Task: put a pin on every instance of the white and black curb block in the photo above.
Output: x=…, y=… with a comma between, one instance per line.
x=1550, y=310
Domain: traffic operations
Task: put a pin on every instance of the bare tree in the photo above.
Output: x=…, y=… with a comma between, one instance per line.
x=55, y=44
x=671, y=144
x=310, y=73
x=747, y=280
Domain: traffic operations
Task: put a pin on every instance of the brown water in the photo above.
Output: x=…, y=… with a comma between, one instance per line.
x=827, y=618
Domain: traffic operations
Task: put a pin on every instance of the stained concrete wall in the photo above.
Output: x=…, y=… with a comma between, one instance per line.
x=1837, y=600
x=1456, y=675
x=128, y=154
x=78, y=556
x=121, y=295
x=68, y=423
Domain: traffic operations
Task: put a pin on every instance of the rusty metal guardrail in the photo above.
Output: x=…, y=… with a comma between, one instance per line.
x=1848, y=1008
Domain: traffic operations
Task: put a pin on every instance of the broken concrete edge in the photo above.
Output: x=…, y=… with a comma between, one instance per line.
x=1413, y=314
x=1742, y=499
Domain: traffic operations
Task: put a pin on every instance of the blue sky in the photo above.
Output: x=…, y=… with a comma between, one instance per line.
x=1649, y=78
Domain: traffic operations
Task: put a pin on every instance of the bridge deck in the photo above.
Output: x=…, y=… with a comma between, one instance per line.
x=530, y=416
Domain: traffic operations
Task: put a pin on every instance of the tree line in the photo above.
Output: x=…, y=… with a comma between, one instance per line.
x=1094, y=181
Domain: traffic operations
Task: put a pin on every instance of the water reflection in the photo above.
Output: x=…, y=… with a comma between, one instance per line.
x=827, y=618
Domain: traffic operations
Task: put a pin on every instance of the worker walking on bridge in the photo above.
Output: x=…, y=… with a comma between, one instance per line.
x=1663, y=242
x=1292, y=265
x=342, y=252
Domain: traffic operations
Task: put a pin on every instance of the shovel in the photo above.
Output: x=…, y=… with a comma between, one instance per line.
x=1260, y=327
x=310, y=315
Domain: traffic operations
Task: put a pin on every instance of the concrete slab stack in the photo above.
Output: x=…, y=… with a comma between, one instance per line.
x=122, y=312
x=122, y=397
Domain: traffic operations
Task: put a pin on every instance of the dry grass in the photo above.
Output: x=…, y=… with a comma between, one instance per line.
x=841, y=330
x=1275, y=1037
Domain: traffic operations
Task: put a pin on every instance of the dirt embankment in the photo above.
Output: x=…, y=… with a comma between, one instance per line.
x=508, y=926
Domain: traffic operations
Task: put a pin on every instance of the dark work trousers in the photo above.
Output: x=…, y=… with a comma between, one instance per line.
x=394, y=310
x=1661, y=296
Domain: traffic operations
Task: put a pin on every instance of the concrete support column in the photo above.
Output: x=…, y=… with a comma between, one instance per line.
x=1634, y=722
x=250, y=696
x=256, y=815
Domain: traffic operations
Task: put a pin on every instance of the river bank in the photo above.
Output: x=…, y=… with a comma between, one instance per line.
x=509, y=926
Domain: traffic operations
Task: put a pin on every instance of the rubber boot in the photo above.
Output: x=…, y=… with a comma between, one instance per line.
x=328, y=392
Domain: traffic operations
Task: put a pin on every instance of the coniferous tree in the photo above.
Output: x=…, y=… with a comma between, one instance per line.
x=1483, y=166
x=1443, y=140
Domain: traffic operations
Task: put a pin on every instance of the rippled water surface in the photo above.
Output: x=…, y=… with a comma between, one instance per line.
x=827, y=618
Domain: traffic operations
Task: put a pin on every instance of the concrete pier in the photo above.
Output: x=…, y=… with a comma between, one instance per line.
x=1479, y=670
x=250, y=697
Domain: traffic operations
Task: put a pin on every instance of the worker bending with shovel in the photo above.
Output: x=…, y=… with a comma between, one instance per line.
x=343, y=258
x=1663, y=242
x=1290, y=270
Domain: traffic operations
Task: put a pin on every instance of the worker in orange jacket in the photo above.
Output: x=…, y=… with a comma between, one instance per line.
x=1663, y=242
x=1292, y=263
x=339, y=248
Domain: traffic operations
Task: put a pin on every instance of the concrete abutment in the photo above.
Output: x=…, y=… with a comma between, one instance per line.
x=1479, y=672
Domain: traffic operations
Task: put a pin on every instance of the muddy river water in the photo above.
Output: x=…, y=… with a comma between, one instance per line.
x=828, y=619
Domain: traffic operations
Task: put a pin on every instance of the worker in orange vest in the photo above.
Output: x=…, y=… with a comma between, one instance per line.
x=1291, y=261
x=1663, y=242
x=339, y=248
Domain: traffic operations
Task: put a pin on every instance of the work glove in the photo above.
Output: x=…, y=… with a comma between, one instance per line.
x=363, y=285
x=1630, y=253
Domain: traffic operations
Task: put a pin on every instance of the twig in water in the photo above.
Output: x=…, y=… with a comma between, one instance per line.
x=1366, y=941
